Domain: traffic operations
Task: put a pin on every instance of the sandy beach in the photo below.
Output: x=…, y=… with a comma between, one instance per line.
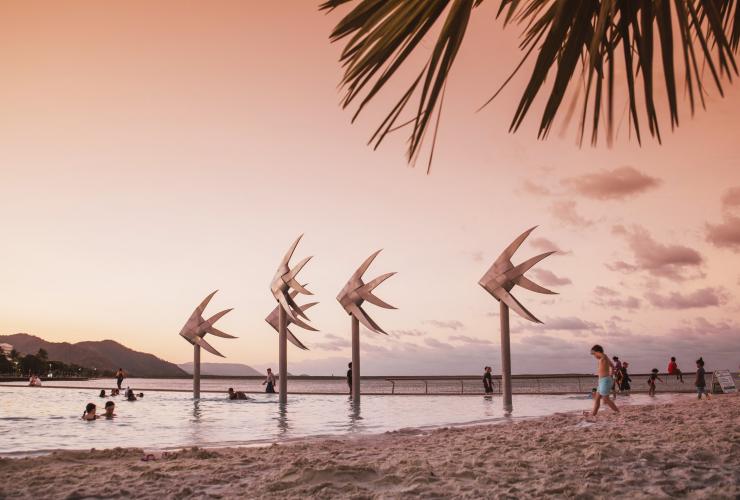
x=684, y=449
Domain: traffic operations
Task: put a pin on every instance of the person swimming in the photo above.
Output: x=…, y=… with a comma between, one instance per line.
x=102, y=393
x=130, y=396
x=89, y=413
x=110, y=407
x=237, y=394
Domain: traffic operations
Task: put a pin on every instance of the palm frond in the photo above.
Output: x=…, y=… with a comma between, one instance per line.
x=573, y=40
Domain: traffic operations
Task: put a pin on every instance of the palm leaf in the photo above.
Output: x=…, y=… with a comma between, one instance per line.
x=572, y=41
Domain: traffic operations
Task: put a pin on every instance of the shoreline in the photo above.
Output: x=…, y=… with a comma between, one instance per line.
x=685, y=448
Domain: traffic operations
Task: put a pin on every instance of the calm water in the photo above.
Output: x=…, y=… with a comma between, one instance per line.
x=45, y=419
x=533, y=385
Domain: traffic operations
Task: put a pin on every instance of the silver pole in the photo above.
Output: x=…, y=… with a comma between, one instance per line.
x=283, y=353
x=505, y=358
x=355, y=360
x=196, y=371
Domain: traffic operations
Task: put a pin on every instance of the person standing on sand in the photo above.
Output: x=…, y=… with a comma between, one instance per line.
x=673, y=369
x=487, y=380
x=616, y=375
x=625, y=384
x=349, y=377
x=701, y=383
x=269, y=382
x=605, y=368
x=119, y=377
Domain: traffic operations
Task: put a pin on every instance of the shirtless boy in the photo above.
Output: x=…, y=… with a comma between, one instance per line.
x=605, y=380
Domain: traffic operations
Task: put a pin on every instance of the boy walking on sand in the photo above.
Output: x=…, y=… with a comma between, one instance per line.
x=700, y=383
x=605, y=367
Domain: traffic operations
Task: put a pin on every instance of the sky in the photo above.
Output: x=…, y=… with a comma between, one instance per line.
x=152, y=152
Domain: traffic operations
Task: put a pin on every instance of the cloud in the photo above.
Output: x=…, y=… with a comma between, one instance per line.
x=621, y=266
x=569, y=323
x=546, y=245
x=725, y=234
x=468, y=340
x=731, y=198
x=673, y=262
x=436, y=344
x=704, y=297
x=476, y=256
x=611, y=299
x=407, y=333
x=603, y=291
x=332, y=343
x=614, y=184
x=565, y=212
x=541, y=352
x=548, y=278
x=452, y=324
x=530, y=187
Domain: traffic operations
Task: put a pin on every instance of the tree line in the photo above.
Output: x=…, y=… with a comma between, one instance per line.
x=19, y=365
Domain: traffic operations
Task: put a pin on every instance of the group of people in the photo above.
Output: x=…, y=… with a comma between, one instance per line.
x=90, y=412
x=613, y=373
x=110, y=406
x=129, y=394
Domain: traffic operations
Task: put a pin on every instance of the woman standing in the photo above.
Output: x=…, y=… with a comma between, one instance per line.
x=119, y=377
x=487, y=380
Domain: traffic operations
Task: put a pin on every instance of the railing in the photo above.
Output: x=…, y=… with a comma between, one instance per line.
x=531, y=384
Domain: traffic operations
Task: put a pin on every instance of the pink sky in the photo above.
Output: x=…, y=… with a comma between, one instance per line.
x=142, y=146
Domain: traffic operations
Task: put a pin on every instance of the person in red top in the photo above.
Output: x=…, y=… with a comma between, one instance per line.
x=673, y=369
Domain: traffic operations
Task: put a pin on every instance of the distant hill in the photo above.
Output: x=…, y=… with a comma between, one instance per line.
x=222, y=369
x=103, y=355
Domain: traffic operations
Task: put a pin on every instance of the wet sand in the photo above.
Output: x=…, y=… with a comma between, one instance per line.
x=687, y=448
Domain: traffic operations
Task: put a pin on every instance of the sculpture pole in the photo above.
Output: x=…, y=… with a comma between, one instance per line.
x=351, y=298
x=355, y=359
x=283, y=354
x=505, y=358
x=194, y=330
x=499, y=281
x=196, y=371
x=284, y=287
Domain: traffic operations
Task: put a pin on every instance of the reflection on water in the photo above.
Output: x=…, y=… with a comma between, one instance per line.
x=196, y=411
x=282, y=419
x=355, y=418
x=34, y=419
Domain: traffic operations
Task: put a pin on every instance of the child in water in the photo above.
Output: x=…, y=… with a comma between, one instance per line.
x=89, y=413
x=651, y=381
x=110, y=407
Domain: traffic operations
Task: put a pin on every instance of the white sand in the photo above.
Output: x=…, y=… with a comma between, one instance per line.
x=685, y=449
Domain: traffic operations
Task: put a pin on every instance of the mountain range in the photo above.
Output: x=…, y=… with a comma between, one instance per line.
x=102, y=355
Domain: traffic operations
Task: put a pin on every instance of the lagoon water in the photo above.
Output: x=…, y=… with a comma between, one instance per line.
x=36, y=420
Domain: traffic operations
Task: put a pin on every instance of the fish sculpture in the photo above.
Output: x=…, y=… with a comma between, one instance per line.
x=356, y=292
x=503, y=276
x=197, y=327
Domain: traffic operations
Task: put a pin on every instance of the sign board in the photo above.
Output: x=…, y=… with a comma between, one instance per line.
x=724, y=380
